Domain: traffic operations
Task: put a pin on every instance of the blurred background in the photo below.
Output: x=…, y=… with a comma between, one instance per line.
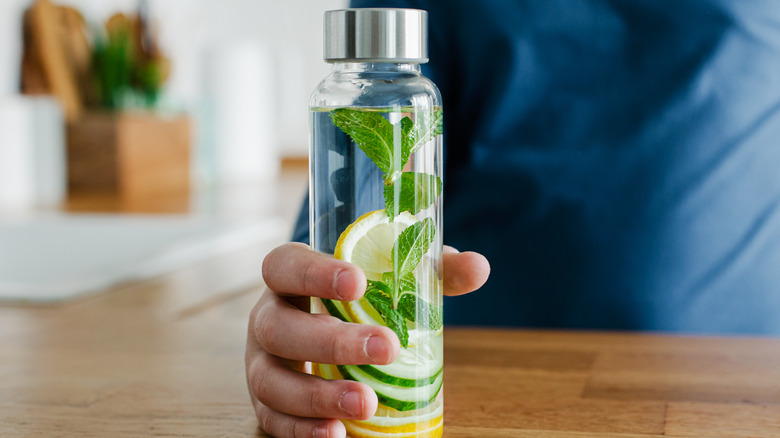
x=136, y=136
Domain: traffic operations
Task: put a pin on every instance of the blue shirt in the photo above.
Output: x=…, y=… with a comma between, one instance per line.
x=618, y=162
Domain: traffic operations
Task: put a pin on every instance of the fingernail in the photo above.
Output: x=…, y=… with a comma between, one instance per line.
x=321, y=432
x=342, y=282
x=376, y=349
x=352, y=403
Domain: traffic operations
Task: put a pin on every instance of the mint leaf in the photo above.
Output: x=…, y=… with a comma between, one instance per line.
x=408, y=307
x=416, y=192
x=375, y=135
x=411, y=245
x=407, y=284
x=377, y=294
x=379, y=287
x=425, y=313
x=407, y=139
x=396, y=322
x=378, y=297
x=371, y=132
x=429, y=124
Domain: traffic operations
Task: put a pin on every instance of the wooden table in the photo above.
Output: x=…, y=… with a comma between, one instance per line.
x=165, y=358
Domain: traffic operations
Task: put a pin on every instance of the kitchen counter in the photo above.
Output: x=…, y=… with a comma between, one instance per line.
x=164, y=357
x=96, y=242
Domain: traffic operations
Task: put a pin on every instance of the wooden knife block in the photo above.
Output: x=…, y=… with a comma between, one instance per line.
x=133, y=155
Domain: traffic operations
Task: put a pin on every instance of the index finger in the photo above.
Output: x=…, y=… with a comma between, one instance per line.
x=297, y=270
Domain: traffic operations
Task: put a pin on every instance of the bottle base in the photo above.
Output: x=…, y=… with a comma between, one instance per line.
x=427, y=422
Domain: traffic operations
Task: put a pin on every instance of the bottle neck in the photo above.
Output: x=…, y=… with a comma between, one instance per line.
x=375, y=67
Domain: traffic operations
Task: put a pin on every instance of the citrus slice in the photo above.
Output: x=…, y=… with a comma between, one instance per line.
x=388, y=422
x=414, y=379
x=368, y=243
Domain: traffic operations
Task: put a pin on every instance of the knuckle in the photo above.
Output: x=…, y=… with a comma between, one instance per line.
x=275, y=257
x=315, y=403
x=267, y=422
x=309, y=279
x=340, y=345
x=253, y=317
x=258, y=382
x=268, y=263
x=266, y=331
x=299, y=430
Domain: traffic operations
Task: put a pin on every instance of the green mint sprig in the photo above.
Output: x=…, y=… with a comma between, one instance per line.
x=391, y=297
x=371, y=132
x=412, y=308
x=427, y=127
x=389, y=146
x=378, y=294
x=415, y=191
x=412, y=243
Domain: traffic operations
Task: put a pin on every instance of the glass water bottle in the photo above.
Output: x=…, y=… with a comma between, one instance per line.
x=376, y=201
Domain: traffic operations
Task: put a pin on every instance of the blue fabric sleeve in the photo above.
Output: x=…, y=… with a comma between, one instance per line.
x=617, y=162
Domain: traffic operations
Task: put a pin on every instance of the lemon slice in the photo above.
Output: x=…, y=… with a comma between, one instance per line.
x=368, y=243
x=387, y=422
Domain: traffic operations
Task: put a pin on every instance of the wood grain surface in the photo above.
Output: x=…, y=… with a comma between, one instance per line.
x=165, y=358
x=136, y=155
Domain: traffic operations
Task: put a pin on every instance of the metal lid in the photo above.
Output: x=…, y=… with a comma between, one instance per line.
x=376, y=35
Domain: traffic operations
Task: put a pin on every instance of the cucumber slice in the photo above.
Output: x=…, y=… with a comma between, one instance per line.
x=397, y=397
x=417, y=362
x=415, y=366
x=335, y=308
x=397, y=381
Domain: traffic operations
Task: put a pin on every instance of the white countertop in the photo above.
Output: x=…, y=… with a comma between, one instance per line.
x=49, y=256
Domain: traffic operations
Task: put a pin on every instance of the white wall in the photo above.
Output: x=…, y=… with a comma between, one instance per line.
x=189, y=29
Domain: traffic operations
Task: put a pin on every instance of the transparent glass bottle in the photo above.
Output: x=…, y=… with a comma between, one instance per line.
x=375, y=185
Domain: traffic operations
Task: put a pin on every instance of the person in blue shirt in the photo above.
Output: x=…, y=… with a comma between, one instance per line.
x=618, y=162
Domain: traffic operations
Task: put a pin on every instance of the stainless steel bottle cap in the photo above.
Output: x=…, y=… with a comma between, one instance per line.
x=376, y=35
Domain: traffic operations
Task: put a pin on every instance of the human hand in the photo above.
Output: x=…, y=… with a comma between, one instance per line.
x=283, y=338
